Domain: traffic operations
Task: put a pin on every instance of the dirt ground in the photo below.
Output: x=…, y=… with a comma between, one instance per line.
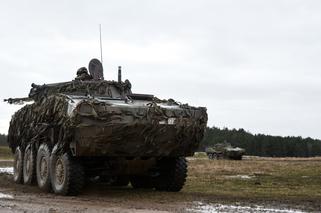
x=212, y=186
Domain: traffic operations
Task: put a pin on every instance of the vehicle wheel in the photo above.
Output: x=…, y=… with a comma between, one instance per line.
x=67, y=174
x=18, y=166
x=42, y=168
x=29, y=166
x=173, y=173
x=141, y=182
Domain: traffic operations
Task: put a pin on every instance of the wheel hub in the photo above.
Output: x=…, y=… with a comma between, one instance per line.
x=43, y=168
x=60, y=172
x=28, y=163
x=17, y=166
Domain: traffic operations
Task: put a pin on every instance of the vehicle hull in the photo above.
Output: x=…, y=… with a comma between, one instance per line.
x=139, y=140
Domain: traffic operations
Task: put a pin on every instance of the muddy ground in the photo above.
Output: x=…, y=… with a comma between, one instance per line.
x=199, y=194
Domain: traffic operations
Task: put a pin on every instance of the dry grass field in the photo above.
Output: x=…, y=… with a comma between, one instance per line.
x=5, y=153
x=254, y=178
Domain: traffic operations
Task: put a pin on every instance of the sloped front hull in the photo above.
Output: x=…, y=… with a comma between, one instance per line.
x=137, y=140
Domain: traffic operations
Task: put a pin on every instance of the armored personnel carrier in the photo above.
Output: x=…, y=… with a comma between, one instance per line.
x=94, y=128
x=224, y=151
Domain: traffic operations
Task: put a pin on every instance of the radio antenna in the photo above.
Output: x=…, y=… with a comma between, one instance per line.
x=101, y=48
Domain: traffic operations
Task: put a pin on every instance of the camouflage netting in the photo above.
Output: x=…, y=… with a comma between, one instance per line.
x=140, y=130
x=118, y=125
x=94, y=88
x=99, y=128
x=32, y=123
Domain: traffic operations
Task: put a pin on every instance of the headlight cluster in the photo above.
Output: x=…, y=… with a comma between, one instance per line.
x=86, y=109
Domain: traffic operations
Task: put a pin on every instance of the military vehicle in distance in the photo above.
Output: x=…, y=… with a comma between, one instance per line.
x=98, y=129
x=224, y=151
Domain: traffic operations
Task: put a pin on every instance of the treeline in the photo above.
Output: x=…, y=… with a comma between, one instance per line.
x=3, y=140
x=263, y=145
x=258, y=145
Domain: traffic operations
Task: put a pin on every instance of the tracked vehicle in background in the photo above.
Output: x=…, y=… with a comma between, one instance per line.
x=93, y=128
x=224, y=151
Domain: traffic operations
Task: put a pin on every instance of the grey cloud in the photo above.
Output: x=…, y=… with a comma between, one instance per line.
x=254, y=64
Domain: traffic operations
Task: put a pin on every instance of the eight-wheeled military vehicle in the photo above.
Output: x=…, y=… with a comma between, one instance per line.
x=224, y=151
x=91, y=128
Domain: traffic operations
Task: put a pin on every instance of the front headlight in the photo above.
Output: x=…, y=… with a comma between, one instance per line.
x=84, y=108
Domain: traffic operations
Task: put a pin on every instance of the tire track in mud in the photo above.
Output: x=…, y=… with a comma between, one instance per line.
x=28, y=202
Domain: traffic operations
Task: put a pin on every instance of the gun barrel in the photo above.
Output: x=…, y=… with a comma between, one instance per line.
x=17, y=100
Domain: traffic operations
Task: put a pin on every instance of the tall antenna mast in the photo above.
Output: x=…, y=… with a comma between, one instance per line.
x=101, y=48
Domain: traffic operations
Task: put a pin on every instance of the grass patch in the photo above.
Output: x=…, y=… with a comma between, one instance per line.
x=294, y=179
x=5, y=153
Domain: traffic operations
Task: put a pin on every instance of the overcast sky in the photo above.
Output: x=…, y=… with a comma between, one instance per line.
x=254, y=64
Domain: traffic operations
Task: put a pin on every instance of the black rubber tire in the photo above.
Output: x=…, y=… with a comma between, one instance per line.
x=29, y=166
x=73, y=179
x=141, y=182
x=18, y=166
x=173, y=173
x=42, y=168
